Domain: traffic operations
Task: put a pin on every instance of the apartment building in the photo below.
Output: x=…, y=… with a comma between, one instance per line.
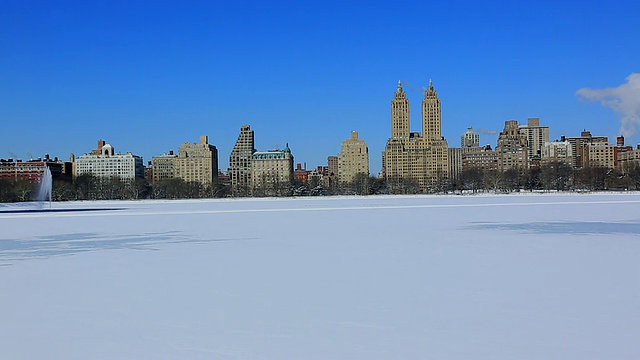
x=104, y=162
x=353, y=159
x=240, y=162
x=421, y=157
x=512, y=149
x=271, y=172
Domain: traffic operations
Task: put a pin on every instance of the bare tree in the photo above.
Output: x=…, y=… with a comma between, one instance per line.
x=471, y=179
x=555, y=176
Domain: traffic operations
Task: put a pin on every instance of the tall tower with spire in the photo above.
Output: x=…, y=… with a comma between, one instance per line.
x=400, y=114
x=431, y=115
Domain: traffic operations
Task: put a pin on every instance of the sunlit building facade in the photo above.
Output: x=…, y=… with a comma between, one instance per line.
x=419, y=157
x=353, y=159
x=240, y=162
x=104, y=162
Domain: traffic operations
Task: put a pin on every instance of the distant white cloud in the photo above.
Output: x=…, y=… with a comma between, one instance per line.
x=624, y=100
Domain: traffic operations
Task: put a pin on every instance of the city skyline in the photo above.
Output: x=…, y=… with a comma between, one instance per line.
x=147, y=77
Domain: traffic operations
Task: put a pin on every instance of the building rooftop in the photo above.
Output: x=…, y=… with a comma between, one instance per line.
x=271, y=154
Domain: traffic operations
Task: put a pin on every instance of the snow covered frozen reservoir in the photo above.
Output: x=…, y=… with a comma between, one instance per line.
x=425, y=277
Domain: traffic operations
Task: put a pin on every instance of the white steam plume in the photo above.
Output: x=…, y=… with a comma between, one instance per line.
x=487, y=132
x=624, y=100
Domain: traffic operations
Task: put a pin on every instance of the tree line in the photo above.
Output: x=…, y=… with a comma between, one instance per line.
x=90, y=187
x=549, y=177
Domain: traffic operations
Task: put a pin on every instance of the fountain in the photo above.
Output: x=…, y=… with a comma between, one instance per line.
x=46, y=188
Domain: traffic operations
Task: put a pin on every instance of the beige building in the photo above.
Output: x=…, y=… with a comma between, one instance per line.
x=557, y=152
x=240, y=162
x=353, y=159
x=271, y=172
x=163, y=167
x=455, y=163
x=628, y=160
x=420, y=157
x=483, y=158
x=197, y=162
x=466, y=158
x=536, y=136
x=580, y=147
x=512, y=149
x=603, y=155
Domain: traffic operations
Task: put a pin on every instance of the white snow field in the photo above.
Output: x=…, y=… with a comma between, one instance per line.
x=539, y=276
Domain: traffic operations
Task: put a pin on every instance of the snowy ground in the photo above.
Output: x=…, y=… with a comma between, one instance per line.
x=424, y=277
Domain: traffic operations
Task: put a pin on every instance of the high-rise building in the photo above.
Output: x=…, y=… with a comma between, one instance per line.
x=271, y=172
x=332, y=162
x=437, y=164
x=431, y=116
x=423, y=158
x=105, y=162
x=470, y=139
x=353, y=159
x=629, y=160
x=240, y=162
x=557, y=152
x=163, y=166
x=455, y=163
x=461, y=159
x=400, y=114
x=512, y=148
x=330, y=174
x=469, y=143
x=536, y=136
x=580, y=147
x=197, y=162
x=603, y=155
x=483, y=158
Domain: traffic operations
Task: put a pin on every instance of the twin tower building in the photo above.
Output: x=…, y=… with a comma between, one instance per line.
x=421, y=158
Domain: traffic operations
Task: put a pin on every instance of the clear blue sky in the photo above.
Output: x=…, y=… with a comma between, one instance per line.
x=147, y=76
